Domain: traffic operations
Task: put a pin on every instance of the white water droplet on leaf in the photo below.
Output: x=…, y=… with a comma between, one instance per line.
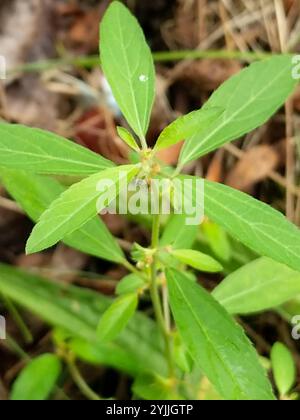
x=143, y=78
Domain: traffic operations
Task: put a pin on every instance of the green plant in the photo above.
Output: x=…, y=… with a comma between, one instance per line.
x=45, y=371
x=284, y=370
x=205, y=341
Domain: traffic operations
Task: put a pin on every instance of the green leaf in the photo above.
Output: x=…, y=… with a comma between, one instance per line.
x=250, y=98
x=77, y=311
x=254, y=223
x=155, y=387
x=35, y=150
x=178, y=233
x=187, y=125
x=290, y=311
x=115, y=319
x=34, y=193
x=129, y=284
x=216, y=343
x=284, y=368
x=77, y=206
x=128, y=138
x=207, y=392
x=197, y=260
x=258, y=286
x=37, y=380
x=182, y=356
x=217, y=240
x=128, y=66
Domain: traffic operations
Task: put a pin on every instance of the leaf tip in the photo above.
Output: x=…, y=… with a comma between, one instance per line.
x=29, y=250
x=32, y=246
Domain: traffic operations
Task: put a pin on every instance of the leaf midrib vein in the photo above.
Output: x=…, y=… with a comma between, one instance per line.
x=223, y=362
x=233, y=116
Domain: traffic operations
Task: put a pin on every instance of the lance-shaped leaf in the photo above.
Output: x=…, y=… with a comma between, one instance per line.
x=249, y=99
x=217, y=240
x=217, y=344
x=37, y=380
x=197, y=260
x=117, y=316
x=130, y=284
x=35, y=150
x=128, y=66
x=252, y=222
x=184, y=127
x=284, y=368
x=260, y=285
x=34, y=193
x=77, y=311
x=181, y=355
x=78, y=205
x=128, y=138
x=178, y=233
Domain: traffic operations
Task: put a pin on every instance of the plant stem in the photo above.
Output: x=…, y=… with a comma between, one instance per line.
x=164, y=56
x=134, y=270
x=17, y=349
x=18, y=319
x=154, y=292
x=26, y=358
x=81, y=383
x=144, y=143
x=166, y=307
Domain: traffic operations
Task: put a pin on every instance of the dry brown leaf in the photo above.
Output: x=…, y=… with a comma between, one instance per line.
x=296, y=99
x=84, y=34
x=79, y=25
x=289, y=4
x=29, y=102
x=182, y=31
x=215, y=169
x=162, y=113
x=24, y=30
x=96, y=129
x=209, y=74
x=253, y=167
x=27, y=34
x=170, y=156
